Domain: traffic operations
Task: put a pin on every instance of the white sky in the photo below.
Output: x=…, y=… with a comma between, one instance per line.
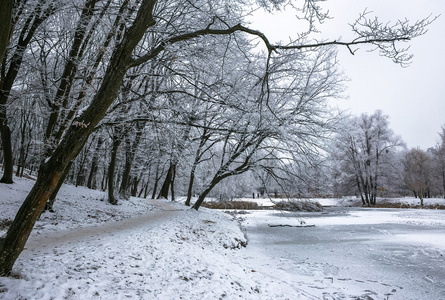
x=413, y=97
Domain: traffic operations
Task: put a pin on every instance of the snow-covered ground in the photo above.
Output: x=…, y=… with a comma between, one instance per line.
x=152, y=249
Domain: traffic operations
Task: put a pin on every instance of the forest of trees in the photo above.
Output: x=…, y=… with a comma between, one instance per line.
x=163, y=98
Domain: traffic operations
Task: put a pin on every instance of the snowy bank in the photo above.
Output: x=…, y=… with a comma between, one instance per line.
x=140, y=249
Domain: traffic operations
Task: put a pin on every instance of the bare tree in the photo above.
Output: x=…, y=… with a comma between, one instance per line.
x=418, y=171
x=361, y=149
x=439, y=158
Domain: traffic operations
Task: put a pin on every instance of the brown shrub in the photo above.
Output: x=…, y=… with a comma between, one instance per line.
x=298, y=205
x=231, y=205
x=407, y=205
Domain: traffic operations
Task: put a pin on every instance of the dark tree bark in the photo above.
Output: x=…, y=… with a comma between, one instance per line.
x=24, y=120
x=50, y=203
x=204, y=193
x=172, y=184
x=190, y=187
x=81, y=176
x=163, y=193
x=116, y=143
x=134, y=186
x=198, y=155
x=130, y=152
x=7, y=149
x=6, y=17
x=91, y=183
x=156, y=182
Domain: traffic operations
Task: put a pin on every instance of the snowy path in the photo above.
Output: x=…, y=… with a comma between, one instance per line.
x=49, y=240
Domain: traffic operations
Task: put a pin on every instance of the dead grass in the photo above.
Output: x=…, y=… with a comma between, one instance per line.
x=298, y=205
x=232, y=205
x=406, y=205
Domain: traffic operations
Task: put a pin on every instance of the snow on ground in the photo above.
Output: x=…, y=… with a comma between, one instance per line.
x=152, y=249
x=141, y=249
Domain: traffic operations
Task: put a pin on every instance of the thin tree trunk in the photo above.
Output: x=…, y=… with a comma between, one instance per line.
x=130, y=152
x=134, y=188
x=155, y=186
x=443, y=181
x=80, y=177
x=91, y=183
x=166, y=185
x=172, y=184
x=116, y=142
x=357, y=180
x=7, y=149
x=21, y=160
x=190, y=188
x=204, y=194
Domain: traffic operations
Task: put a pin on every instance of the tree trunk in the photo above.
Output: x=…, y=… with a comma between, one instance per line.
x=80, y=177
x=443, y=181
x=91, y=183
x=50, y=203
x=134, y=188
x=155, y=186
x=103, y=186
x=7, y=149
x=172, y=184
x=24, y=118
x=73, y=141
x=116, y=142
x=168, y=179
x=204, y=194
x=359, y=187
x=130, y=152
x=125, y=177
x=190, y=188
x=6, y=17
x=145, y=190
x=14, y=242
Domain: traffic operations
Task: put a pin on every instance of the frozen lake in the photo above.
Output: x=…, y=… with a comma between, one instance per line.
x=352, y=252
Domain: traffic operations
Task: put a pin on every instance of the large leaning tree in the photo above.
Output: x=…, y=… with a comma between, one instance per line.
x=149, y=28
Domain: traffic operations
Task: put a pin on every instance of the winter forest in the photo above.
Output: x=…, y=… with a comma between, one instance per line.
x=167, y=99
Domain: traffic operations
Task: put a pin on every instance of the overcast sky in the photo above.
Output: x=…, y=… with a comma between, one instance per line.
x=413, y=97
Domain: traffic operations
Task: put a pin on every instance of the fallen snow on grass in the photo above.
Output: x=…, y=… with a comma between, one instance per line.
x=140, y=249
x=158, y=249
